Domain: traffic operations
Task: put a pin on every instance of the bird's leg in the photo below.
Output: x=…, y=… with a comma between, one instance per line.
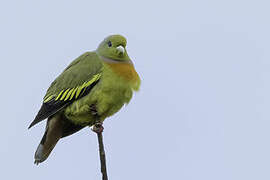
x=97, y=127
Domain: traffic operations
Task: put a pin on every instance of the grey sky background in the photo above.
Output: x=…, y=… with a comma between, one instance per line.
x=203, y=109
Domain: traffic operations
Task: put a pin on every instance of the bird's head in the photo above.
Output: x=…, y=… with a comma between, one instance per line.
x=114, y=47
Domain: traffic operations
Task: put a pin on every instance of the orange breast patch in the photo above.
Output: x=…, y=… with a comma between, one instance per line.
x=125, y=70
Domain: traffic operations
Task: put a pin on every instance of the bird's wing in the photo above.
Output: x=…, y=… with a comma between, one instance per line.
x=76, y=81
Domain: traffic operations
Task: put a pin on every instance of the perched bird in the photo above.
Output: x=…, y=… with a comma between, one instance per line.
x=96, y=84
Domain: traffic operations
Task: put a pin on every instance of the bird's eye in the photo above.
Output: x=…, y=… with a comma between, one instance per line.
x=110, y=44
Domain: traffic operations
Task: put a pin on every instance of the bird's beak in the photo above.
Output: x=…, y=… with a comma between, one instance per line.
x=120, y=49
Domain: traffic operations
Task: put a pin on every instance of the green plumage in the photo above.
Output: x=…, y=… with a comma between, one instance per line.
x=109, y=95
x=103, y=79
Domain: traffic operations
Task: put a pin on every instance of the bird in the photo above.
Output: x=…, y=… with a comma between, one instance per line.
x=94, y=86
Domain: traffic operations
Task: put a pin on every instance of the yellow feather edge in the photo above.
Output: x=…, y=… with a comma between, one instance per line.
x=73, y=93
x=64, y=94
x=79, y=90
x=70, y=93
x=59, y=95
x=48, y=98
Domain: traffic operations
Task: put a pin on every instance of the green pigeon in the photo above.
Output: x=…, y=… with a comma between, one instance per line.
x=96, y=84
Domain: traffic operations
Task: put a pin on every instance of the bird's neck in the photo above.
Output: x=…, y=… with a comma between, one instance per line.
x=115, y=61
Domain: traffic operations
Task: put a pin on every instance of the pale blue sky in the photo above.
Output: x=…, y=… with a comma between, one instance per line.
x=203, y=109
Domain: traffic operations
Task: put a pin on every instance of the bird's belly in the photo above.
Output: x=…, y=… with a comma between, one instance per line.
x=106, y=99
x=112, y=101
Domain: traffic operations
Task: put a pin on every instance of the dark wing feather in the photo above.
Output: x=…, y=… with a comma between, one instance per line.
x=48, y=109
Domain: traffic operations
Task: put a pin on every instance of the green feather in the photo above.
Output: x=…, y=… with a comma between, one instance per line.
x=80, y=71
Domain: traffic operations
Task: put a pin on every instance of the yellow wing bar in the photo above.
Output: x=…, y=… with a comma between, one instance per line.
x=70, y=93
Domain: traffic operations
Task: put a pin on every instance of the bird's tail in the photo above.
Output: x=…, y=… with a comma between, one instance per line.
x=53, y=133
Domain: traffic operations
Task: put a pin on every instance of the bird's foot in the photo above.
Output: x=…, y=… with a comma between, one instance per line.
x=97, y=128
